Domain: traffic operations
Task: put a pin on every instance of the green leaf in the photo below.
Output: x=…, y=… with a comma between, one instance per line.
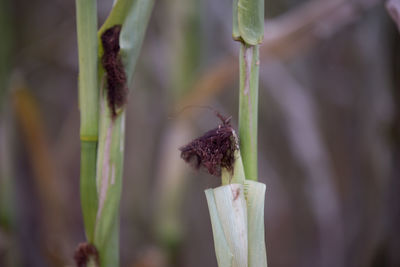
x=109, y=184
x=133, y=32
x=228, y=212
x=238, y=176
x=248, y=21
x=222, y=250
x=235, y=23
x=134, y=16
x=117, y=17
x=255, y=195
x=111, y=251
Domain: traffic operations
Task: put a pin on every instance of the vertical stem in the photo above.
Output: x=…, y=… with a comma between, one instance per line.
x=248, y=108
x=6, y=49
x=7, y=208
x=88, y=186
x=109, y=182
x=102, y=133
x=86, y=15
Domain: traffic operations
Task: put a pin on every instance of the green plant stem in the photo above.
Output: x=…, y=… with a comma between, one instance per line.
x=109, y=184
x=248, y=108
x=133, y=15
x=88, y=186
x=86, y=15
x=102, y=160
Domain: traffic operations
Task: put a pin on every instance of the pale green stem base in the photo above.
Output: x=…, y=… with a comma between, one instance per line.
x=237, y=177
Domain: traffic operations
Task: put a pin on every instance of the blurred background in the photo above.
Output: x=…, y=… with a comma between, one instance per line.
x=329, y=133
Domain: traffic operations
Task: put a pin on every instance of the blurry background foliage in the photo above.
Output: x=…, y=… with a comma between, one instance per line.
x=329, y=145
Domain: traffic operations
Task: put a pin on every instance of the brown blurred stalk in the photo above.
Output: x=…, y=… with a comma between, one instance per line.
x=49, y=192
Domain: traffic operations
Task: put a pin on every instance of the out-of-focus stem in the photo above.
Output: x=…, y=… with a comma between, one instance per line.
x=6, y=49
x=6, y=183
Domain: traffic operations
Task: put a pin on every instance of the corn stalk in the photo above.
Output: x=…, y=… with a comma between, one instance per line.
x=102, y=132
x=237, y=207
